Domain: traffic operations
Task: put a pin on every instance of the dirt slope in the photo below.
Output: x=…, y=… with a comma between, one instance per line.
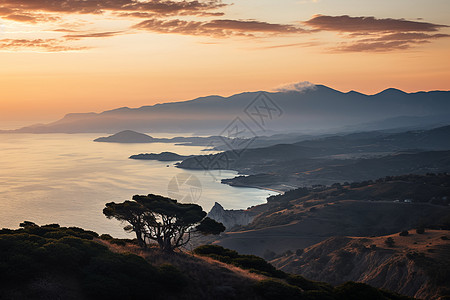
x=416, y=265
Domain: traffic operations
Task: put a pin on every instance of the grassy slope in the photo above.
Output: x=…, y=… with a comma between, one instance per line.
x=417, y=265
x=305, y=216
x=50, y=262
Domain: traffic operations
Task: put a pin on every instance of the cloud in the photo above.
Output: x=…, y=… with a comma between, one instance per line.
x=388, y=42
x=92, y=35
x=44, y=45
x=369, y=34
x=368, y=24
x=217, y=28
x=301, y=86
x=160, y=7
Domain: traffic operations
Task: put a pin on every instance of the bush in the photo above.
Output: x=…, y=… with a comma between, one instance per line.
x=214, y=249
x=307, y=285
x=299, y=252
x=420, y=230
x=34, y=252
x=274, y=290
x=269, y=255
x=404, y=233
x=357, y=291
x=389, y=242
x=250, y=262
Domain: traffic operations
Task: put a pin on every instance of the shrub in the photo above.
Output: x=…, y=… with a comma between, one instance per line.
x=250, y=262
x=269, y=255
x=404, y=233
x=214, y=249
x=420, y=230
x=274, y=290
x=307, y=285
x=34, y=252
x=299, y=252
x=389, y=242
x=358, y=291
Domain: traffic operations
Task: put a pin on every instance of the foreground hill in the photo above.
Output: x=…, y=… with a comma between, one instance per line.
x=318, y=108
x=53, y=262
x=417, y=265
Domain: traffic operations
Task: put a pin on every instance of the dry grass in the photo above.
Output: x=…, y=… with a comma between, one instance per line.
x=208, y=278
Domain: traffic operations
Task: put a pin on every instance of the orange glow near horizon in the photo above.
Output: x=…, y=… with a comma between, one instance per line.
x=99, y=64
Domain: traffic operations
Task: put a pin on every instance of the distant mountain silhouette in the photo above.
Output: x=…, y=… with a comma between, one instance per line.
x=126, y=136
x=321, y=108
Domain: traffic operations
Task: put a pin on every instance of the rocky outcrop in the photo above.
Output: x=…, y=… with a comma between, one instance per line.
x=230, y=218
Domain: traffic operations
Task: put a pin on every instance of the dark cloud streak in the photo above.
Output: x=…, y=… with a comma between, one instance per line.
x=368, y=24
x=160, y=7
x=369, y=34
x=217, y=28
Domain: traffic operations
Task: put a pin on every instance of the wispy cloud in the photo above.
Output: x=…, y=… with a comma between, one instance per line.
x=301, y=86
x=42, y=45
x=92, y=35
x=357, y=34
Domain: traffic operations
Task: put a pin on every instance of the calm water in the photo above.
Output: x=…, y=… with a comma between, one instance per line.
x=67, y=179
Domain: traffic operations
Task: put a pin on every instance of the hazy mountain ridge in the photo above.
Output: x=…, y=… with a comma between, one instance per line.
x=321, y=108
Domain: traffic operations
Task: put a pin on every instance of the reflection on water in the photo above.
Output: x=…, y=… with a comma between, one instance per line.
x=67, y=179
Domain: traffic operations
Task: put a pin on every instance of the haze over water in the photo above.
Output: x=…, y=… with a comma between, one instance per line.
x=68, y=178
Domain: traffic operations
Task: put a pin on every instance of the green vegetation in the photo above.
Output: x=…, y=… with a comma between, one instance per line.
x=51, y=259
x=53, y=262
x=249, y=262
x=163, y=220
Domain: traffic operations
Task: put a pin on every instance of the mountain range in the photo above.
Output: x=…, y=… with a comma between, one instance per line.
x=318, y=109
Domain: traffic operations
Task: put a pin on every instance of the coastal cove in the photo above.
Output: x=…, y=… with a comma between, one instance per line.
x=68, y=178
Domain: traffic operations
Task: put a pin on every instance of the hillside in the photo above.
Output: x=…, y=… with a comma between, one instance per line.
x=331, y=109
x=305, y=216
x=53, y=262
x=417, y=265
x=337, y=158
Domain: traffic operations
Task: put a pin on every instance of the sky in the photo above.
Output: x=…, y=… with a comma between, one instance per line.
x=58, y=57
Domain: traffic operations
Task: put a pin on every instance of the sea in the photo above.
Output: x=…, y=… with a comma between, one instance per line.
x=68, y=179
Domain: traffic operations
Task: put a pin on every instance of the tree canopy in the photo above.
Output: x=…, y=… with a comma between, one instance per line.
x=162, y=220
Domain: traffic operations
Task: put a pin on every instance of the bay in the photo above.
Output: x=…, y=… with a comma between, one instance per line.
x=68, y=178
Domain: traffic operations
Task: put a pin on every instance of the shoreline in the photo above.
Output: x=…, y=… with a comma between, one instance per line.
x=257, y=187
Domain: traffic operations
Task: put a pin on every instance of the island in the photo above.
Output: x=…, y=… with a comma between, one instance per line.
x=127, y=136
x=163, y=156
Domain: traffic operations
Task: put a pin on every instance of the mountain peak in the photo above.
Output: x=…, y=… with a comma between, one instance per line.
x=391, y=91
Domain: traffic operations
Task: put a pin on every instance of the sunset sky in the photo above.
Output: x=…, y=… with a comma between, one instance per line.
x=67, y=56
